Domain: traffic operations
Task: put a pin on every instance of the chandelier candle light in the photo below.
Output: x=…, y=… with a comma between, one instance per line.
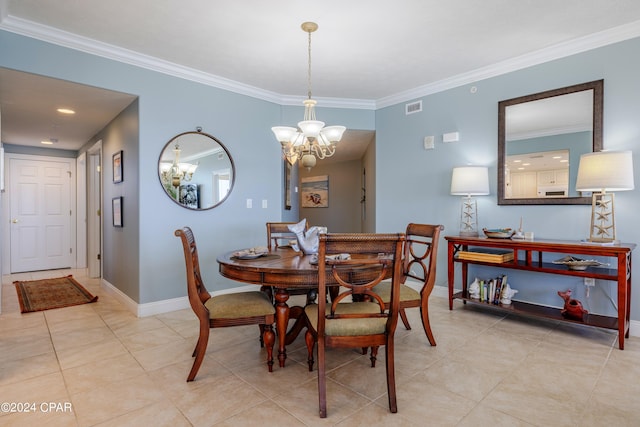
x=601, y=172
x=173, y=174
x=312, y=139
x=469, y=181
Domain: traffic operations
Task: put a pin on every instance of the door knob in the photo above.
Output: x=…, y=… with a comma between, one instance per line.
x=15, y=221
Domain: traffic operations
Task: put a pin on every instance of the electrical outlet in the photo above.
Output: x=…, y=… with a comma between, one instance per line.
x=589, y=281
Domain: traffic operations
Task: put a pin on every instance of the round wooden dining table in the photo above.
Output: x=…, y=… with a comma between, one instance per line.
x=280, y=269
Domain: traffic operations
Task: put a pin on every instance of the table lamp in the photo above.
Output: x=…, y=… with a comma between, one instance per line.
x=469, y=181
x=601, y=172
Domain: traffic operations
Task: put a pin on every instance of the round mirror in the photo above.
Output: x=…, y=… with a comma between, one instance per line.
x=196, y=170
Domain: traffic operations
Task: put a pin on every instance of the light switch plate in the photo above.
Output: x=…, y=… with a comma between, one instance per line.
x=429, y=143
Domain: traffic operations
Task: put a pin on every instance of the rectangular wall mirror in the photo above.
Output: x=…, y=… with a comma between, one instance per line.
x=540, y=140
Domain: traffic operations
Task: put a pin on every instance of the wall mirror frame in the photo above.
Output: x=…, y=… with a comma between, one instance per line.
x=508, y=111
x=196, y=170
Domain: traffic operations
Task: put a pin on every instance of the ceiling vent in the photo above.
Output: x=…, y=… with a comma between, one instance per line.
x=413, y=107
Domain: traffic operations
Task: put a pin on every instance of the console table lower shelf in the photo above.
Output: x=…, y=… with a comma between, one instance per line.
x=533, y=256
x=535, y=310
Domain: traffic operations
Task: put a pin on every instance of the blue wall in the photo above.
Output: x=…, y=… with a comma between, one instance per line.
x=414, y=183
x=167, y=106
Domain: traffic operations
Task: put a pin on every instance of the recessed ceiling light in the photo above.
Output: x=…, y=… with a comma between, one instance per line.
x=49, y=141
x=65, y=111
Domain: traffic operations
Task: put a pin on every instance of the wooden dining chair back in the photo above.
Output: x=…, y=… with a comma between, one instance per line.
x=279, y=235
x=419, y=263
x=233, y=309
x=357, y=317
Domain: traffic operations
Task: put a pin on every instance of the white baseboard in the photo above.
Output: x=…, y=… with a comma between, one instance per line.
x=164, y=306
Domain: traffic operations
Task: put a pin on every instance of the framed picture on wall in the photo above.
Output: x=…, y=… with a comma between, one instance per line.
x=116, y=208
x=117, y=167
x=287, y=185
x=315, y=192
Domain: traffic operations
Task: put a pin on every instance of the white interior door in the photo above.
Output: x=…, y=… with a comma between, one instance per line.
x=41, y=214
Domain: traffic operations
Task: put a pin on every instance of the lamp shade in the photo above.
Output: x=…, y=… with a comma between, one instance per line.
x=470, y=181
x=605, y=171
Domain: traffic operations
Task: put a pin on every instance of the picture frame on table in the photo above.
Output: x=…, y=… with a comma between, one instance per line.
x=116, y=209
x=117, y=167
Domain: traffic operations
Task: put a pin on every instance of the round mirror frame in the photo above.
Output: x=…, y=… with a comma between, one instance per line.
x=169, y=147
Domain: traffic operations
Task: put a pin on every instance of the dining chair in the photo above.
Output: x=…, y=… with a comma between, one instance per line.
x=279, y=235
x=357, y=317
x=419, y=263
x=233, y=309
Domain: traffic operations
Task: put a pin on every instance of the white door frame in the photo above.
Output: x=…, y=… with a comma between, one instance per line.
x=81, y=211
x=94, y=203
x=6, y=202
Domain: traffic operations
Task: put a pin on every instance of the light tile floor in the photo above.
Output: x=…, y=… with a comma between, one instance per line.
x=113, y=369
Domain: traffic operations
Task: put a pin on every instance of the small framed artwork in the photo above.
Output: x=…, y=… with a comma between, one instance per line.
x=116, y=207
x=315, y=192
x=117, y=167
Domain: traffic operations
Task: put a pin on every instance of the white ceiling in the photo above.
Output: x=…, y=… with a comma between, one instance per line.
x=365, y=54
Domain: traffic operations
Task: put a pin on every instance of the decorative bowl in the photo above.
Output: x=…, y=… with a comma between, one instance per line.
x=498, y=233
x=578, y=264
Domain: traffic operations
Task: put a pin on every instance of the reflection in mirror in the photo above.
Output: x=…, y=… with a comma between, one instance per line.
x=196, y=170
x=540, y=140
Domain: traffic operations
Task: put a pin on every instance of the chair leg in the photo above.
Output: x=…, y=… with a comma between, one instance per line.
x=195, y=350
x=201, y=349
x=269, y=338
x=262, y=329
x=405, y=321
x=310, y=340
x=424, y=314
x=374, y=355
x=391, y=375
x=322, y=383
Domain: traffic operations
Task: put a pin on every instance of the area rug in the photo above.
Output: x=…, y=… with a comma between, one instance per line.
x=46, y=294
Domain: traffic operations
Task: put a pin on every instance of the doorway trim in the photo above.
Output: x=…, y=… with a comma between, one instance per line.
x=94, y=203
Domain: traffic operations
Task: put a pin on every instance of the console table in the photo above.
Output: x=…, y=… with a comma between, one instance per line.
x=528, y=255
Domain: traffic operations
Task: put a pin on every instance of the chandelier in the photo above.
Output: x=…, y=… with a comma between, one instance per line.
x=311, y=139
x=175, y=173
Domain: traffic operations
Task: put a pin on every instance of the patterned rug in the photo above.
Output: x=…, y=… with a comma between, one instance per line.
x=38, y=295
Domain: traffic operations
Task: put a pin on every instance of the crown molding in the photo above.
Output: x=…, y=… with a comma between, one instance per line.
x=561, y=50
x=94, y=47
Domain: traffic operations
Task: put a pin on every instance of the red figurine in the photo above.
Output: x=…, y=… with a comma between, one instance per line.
x=572, y=307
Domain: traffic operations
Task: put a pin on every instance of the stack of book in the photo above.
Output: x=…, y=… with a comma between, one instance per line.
x=491, y=290
x=486, y=255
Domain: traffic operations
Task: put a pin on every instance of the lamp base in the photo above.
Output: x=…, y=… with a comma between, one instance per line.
x=468, y=234
x=603, y=227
